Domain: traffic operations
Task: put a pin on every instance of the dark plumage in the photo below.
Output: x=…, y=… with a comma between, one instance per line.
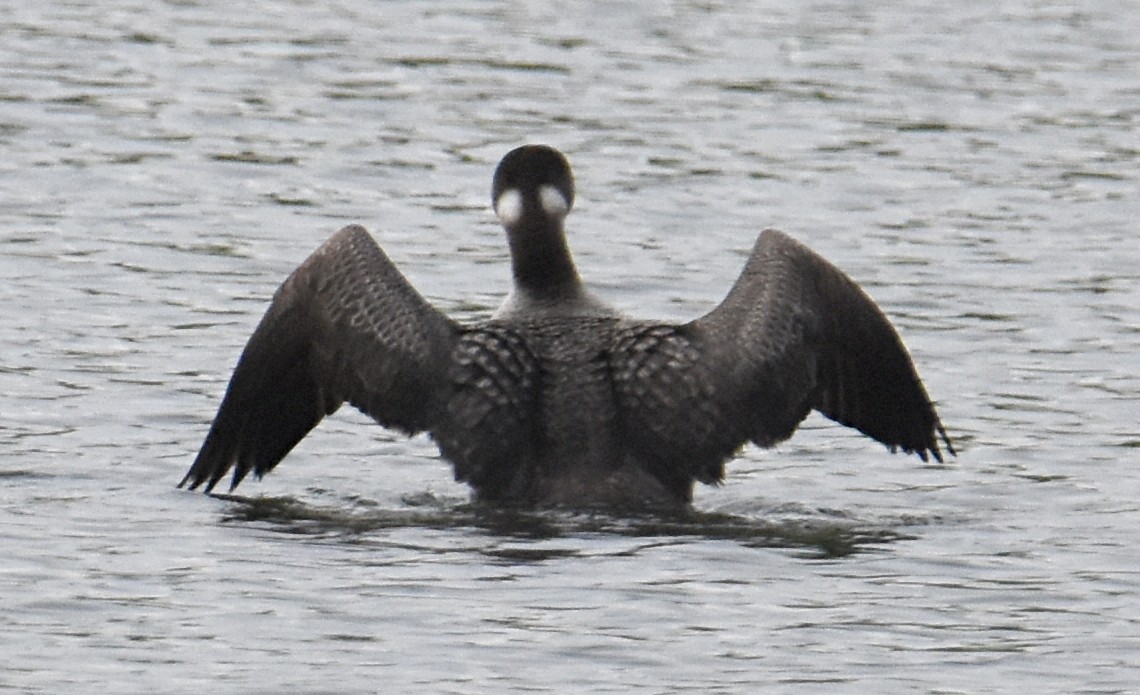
x=558, y=399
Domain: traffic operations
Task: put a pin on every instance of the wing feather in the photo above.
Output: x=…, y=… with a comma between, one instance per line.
x=793, y=334
x=490, y=431
x=345, y=326
x=802, y=335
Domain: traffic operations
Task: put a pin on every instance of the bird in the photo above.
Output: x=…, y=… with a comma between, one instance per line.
x=559, y=400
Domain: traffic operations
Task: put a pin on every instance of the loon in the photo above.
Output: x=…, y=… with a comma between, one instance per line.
x=559, y=400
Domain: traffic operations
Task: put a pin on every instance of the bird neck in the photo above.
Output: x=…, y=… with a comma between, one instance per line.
x=540, y=259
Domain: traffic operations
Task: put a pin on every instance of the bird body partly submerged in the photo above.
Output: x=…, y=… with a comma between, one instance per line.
x=559, y=399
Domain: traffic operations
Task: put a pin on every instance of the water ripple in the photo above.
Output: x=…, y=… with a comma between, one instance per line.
x=972, y=165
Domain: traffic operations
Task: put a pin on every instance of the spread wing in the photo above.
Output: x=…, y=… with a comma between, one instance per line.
x=345, y=326
x=794, y=334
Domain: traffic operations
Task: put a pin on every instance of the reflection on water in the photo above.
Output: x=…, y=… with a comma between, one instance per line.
x=817, y=535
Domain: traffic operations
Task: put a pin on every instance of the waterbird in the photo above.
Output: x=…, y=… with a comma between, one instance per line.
x=559, y=400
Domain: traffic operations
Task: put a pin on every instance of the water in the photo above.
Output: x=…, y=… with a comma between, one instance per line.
x=974, y=165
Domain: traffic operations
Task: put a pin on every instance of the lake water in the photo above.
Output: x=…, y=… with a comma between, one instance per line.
x=974, y=165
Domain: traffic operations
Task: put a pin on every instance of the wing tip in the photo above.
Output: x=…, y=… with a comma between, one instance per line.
x=207, y=470
x=941, y=431
x=192, y=481
x=931, y=448
x=928, y=447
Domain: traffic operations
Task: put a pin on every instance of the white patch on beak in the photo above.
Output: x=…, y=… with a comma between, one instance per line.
x=553, y=202
x=509, y=207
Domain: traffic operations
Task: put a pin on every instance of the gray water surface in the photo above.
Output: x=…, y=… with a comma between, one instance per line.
x=974, y=165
